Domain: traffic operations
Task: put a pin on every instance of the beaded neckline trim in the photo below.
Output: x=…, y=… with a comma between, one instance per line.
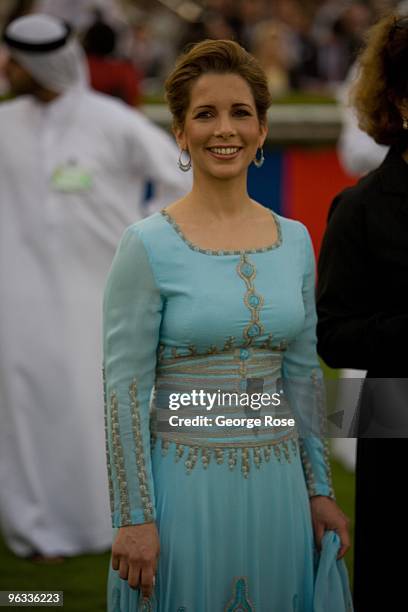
x=198, y=249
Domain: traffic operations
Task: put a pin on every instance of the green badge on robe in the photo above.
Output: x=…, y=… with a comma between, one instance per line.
x=71, y=178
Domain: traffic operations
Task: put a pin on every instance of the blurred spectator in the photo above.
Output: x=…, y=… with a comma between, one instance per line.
x=220, y=20
x=339, y=44
x=229, y=10
x=324, y=17
x=303, y=52
x=217, y=27
x=80, y=13
x=271, y=47
x=152, y=46
x=251, y=13
x=363, y=313
x=324, y=35
x=147, y=53
x=74, y=164
x=191, y=33
x=358, y=152
x=151, y=49
x=108, y=74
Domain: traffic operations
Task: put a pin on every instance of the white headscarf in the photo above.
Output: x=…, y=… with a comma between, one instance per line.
x=58, y=69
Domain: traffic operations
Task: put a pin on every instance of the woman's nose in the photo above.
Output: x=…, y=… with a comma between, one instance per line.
x=224, y=127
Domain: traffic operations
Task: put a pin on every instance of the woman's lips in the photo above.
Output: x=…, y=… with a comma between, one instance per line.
x=218, y=155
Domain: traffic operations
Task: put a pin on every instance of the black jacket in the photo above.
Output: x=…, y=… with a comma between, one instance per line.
x=362, y=303
x=362, y=296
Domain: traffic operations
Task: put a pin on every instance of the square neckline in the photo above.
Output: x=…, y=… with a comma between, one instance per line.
x=194, y=247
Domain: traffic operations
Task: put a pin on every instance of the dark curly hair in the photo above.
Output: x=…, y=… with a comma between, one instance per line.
x=214, y=56
x=383, y=80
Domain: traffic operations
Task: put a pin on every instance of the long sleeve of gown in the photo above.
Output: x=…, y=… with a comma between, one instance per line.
x=132, y=316
x=304, y=383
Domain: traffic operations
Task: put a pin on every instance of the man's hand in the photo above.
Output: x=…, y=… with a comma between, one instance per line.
x=135, y=552
x=326, y=515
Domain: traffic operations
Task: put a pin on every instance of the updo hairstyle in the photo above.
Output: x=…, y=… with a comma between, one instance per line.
x=219, y=57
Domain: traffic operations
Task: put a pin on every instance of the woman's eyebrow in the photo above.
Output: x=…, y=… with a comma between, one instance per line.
x=213, y=105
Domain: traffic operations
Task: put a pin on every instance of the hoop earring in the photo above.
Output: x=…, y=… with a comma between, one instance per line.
x=258, y=162
x=184, y=166
x=404, y=123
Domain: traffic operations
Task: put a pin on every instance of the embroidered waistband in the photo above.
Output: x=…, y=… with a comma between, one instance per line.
x=246, y=454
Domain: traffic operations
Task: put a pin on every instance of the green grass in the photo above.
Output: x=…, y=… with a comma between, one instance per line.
x=83, y=579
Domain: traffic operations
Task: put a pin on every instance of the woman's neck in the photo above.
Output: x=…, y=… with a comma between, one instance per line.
x=219, y=199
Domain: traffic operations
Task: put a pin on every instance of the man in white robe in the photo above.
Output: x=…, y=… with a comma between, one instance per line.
x=73, y=166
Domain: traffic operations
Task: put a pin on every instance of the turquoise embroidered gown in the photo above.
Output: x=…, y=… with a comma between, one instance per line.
x=231, y=504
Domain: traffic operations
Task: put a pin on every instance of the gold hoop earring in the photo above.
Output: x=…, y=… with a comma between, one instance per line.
x=404, y=123
x=184, y=166
x=258, y=162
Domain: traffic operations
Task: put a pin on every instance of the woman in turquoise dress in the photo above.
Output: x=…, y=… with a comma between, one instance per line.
x=214, y=295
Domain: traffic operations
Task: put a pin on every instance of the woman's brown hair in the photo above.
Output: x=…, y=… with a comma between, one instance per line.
x=383, y=80
x=220, y=57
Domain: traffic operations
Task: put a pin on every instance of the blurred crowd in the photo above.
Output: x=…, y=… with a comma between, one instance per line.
x=304, y=45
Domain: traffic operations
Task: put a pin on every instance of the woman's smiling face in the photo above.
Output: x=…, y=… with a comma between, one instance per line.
x=221, y=131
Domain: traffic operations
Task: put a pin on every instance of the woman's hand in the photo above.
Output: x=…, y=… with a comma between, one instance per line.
x=326, y=515
x=135, y=552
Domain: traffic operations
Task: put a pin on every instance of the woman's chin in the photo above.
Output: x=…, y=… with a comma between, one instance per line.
x=226, y=172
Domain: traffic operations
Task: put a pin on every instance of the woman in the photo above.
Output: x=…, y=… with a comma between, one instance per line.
x=215, y=293
x=363, y=314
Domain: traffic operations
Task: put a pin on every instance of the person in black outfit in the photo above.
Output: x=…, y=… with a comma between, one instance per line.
x=362, y=302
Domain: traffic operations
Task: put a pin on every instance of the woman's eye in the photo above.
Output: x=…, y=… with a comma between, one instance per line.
x=241, y=112
x=203, y=115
